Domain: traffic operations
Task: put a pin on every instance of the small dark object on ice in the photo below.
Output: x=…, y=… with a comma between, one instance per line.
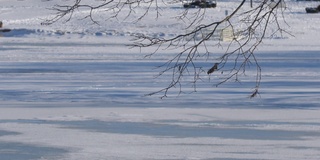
x=313, y=9
x=201, y=4
x=5, y=30
x=214, y=68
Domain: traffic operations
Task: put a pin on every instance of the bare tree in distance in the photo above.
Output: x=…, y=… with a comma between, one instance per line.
x=231, y=65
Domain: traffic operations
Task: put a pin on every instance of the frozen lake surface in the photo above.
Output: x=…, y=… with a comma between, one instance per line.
x=76, y=92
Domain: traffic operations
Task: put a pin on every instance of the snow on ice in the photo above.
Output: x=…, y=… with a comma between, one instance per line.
x=75, y=90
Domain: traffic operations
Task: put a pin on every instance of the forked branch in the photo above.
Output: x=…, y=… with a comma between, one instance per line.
x=234, y=63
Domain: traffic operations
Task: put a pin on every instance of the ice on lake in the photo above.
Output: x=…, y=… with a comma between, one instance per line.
x=70, y=92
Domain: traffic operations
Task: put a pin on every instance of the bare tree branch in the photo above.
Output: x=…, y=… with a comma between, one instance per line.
x=234, y=63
